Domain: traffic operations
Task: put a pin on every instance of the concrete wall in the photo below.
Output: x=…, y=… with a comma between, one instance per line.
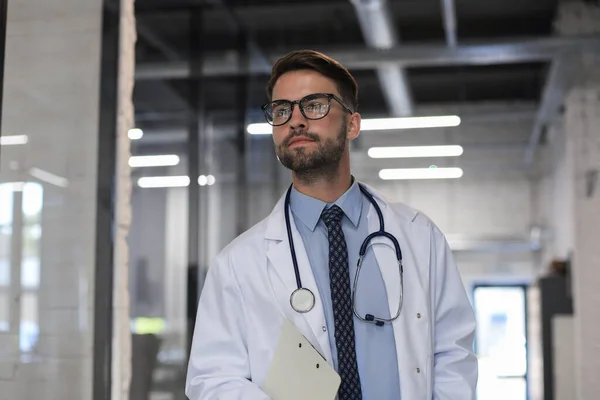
x=582, y=154
x=51, y=94
x=583, y=125
x=564, y=358
x=553, y=197
x=553, y=211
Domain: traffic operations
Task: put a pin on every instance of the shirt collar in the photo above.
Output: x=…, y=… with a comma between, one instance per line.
x=308, y=209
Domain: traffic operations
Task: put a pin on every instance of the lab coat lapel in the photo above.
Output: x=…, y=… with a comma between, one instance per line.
x=283, y=279
x=411, y=329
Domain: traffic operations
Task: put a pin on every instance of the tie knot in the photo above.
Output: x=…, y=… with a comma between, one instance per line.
x=332, y=215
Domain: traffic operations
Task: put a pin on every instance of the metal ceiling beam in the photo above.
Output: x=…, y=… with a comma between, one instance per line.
x=449, y=11
x=360, y=58
x=379, y=32
x=560, y=77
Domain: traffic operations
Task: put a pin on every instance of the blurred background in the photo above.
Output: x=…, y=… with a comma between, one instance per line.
x=497, y=104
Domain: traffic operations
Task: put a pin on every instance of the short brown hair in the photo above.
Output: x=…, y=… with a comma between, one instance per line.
x=319, y=62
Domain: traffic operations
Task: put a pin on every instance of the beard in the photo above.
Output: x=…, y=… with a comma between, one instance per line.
x=321, y=163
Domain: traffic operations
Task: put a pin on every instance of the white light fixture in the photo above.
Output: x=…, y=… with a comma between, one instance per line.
x=377, y=124
x=415, y=151
x=135, y=134
x=13, y=140
x=420, y=173
x=166, y=160
x=163, y=181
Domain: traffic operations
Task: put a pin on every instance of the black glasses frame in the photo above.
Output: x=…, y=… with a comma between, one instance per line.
x=292, y=104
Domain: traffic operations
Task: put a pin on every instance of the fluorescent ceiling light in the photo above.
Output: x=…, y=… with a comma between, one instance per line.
x=260, y=129
x=163, y=181
x=135, y=134
x=13, y=140
x=415, y=151
x=173, y=181
x=166, y=160
x=409, y=123
x=206, y=180
x=377, y=124
x=420, y=173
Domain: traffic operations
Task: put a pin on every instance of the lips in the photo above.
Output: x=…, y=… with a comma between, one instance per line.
x=300, y=140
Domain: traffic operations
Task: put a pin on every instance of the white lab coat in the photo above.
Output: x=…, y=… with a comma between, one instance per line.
x=247, y=294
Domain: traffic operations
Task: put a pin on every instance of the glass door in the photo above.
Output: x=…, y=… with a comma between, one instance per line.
x=501, y=342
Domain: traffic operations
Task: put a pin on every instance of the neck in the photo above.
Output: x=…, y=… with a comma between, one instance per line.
x=327, y=187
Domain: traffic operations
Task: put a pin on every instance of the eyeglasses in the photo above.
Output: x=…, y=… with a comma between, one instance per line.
x=314, y=106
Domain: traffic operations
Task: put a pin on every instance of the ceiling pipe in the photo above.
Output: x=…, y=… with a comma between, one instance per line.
x=379, y=33
x=449, y=22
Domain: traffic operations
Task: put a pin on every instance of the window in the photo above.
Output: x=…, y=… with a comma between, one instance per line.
x=28, y=226
x=6, y=218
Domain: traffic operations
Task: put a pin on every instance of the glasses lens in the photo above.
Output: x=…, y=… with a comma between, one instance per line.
x=278, y=112
x=315, y=106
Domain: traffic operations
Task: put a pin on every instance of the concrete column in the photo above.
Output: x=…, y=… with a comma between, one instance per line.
x=121, y=352
x=582, y=130
x=583, y=143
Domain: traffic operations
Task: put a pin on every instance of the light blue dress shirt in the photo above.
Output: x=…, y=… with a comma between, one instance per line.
x=375, y=346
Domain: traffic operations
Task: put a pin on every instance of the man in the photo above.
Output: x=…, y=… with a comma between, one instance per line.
x=424, y=353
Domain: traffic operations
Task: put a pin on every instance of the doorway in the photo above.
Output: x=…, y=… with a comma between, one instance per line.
x=501, y=341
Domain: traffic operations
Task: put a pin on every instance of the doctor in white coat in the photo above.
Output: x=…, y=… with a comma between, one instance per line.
x=425, y=353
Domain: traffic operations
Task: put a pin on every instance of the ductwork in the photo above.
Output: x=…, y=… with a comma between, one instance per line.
x=379, y=33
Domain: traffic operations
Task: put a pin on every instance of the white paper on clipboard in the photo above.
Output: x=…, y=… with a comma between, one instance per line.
x=298, y=371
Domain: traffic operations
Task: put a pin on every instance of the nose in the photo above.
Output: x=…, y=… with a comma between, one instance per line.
x=297, y=120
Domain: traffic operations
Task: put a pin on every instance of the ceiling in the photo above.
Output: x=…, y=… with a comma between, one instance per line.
x=449, y=54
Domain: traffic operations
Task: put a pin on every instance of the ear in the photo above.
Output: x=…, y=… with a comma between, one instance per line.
x=353, y=129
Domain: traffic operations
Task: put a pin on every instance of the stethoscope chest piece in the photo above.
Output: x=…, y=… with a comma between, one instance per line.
x=302, y=300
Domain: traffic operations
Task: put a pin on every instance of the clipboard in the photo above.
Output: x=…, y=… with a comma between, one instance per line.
x=298, y=371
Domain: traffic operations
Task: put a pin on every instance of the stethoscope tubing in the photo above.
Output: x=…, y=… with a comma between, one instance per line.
x=363, y=249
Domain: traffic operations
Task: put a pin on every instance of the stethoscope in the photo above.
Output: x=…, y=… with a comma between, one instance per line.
x=302, y=299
